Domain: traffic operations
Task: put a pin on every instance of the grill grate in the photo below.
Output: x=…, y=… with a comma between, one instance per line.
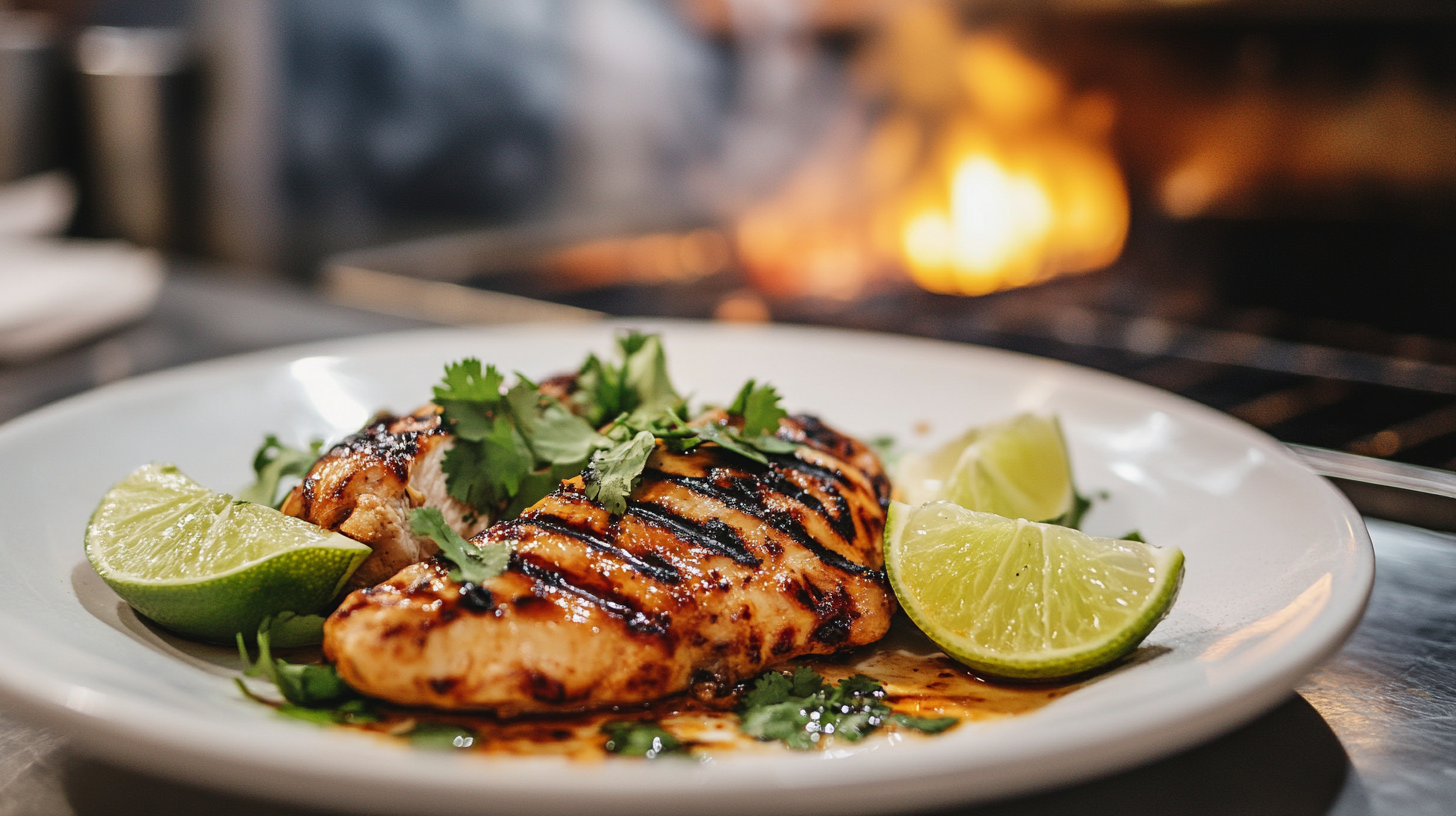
x=1358, y=400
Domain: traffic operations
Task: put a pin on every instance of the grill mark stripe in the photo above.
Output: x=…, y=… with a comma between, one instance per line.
x=666, y=573
x=819, y=473
x=820, y=437
x=634, y=619
x=830, y=480
x=841, y=521
x=753, y=506
x=712, y=535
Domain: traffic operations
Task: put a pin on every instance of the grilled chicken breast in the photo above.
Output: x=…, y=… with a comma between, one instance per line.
x=366, y=486
x=718, y=568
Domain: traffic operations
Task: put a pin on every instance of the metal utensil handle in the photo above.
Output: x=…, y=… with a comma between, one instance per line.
x=1377, y=471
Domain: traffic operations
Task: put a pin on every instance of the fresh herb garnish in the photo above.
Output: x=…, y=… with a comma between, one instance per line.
x=511, y=448
x=615, y=472
x=313, y=692
x=802, y=710
x=759, y=408
x=640, y=738
x=274, y=462
x=1080, y=505
x=925, y=725
x=440, y=736
x=637, y=385
x=1134, y=535
x=471, y=563
x=514, y=447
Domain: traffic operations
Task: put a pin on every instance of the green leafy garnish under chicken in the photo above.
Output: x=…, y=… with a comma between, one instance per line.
x=803, y=710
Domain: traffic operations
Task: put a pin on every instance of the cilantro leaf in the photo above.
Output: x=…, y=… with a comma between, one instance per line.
x=510, y=449
x=465, y=382
x=769, y=689
x=471, y=563
x=598, y=391
x=273, y=462
x=312, y=692
x=469, y=399
x=561, y=437
x=925, y=725
x=441, y=736
x=1134, y=535
x=758, y=405
x=802, y=710
x=753, y=448
x=1080, y=505
x=537, y=484
x=299, y=684
x=614, y=472
x=505, y=459
x=639, y=385
x=644, y=375
x=729, y=438
x=465, y=476
x=639, y=738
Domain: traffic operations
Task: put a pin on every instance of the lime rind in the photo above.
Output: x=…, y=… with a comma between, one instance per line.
x=207, y=566
x=304, y=577
x=984, y=601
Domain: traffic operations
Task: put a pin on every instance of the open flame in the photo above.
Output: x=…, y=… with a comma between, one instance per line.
x=999, y=218
x=996, y=223
x=981, y=172
x=1020, y=187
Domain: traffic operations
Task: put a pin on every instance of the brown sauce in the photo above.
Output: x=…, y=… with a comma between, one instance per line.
x=918, y=680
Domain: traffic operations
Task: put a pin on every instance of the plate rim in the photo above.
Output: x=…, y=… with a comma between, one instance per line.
x=141, y=738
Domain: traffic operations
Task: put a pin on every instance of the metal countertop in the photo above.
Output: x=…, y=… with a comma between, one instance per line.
x=1373, y=731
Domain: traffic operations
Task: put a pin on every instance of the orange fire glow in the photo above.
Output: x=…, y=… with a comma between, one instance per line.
x=982, y=172
x=1017, y=190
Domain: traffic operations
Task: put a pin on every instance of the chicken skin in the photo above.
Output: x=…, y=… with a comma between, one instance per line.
x=718, y=568
x=366, y=486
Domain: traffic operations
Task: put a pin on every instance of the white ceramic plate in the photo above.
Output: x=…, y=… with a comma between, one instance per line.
x=1279, y=567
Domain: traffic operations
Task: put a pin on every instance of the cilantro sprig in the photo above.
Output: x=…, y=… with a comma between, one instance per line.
x=801, y=710
x=311, y=692
x=637, y=384
x=470, y=563
x=641, y=738
x=511, y=447
x=275, y=462
x=314, y=693
x=616, y=471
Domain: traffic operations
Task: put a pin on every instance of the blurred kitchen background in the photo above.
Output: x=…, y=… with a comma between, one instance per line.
x=1249, y=203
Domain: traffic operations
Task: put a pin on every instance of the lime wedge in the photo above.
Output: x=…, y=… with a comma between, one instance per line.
x=1015, y=598
x=206, y=565
x=1018, y=469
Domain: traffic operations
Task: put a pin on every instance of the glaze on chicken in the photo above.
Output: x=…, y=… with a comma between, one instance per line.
x=719, y=568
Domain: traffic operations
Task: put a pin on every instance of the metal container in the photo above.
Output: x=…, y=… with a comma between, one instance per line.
x=27, y=48
x=129, y=77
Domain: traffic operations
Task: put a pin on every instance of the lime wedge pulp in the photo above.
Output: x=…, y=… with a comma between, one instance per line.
x=206, y=565
x=1018, y=468
x=1019, y=599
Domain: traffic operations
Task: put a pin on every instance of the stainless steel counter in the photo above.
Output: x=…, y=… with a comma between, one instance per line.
x=1371, y=732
